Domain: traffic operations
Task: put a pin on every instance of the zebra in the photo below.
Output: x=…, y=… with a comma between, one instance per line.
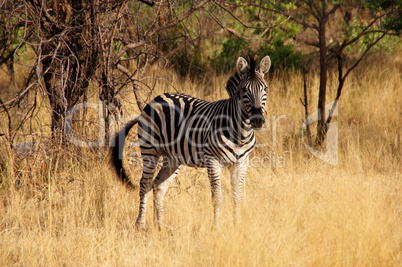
x=185, y=130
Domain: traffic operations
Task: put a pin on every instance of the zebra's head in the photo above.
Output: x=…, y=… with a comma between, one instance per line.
x=252, y=88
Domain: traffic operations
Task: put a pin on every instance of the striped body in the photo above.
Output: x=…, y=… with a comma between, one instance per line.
x=188, y=131
x=192, y=131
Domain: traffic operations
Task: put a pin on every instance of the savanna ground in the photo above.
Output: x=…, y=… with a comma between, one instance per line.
x=68, y=208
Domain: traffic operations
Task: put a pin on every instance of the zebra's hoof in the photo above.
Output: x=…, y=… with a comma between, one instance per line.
x=140, y=226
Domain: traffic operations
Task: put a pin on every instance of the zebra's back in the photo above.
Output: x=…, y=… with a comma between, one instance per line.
x=177, y=125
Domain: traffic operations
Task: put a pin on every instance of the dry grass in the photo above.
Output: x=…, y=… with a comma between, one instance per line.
x=63, y=210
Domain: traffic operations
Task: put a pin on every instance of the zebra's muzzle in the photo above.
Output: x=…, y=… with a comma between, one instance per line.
x=257, y=119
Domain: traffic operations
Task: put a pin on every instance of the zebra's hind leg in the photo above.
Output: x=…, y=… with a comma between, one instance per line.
x=214, y=169
x=166, y=175
x=150, y=163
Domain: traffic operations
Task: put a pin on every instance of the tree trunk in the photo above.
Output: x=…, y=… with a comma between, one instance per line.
x=55, y=94
x=70, y=55
x=323, y=82
x=106, y=96
x=305, y=103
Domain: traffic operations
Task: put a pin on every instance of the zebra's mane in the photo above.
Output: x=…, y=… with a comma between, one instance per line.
x=251, y=62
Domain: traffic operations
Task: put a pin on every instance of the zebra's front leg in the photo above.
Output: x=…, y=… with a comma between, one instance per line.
x=214, y=172
x=149, y=168
x=161, y=184
x=238, y=173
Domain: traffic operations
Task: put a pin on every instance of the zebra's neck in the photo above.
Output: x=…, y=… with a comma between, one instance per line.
x=232, y=84
x=232, y=89
x=242, y=130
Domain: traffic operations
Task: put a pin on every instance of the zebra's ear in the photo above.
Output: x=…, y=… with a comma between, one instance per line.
x=265, y=65
x=242, y=65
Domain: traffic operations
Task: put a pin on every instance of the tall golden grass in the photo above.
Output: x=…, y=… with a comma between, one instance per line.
x=60, y=209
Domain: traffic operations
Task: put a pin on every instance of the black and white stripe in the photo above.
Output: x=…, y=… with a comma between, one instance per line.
x=193, y=132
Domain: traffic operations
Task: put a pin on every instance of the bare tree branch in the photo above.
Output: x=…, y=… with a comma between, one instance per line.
x=236, y=17
x=313, y=9
x=140, y=103
x=341, y=78
x=365, y=30
x=18, y=97
x=9, y=135
x=120, y=53
x=182, y=18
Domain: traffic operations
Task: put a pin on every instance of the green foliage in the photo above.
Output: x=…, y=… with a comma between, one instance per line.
x=260, y=41
x=224, y=60
x=378, y=5
x=394, y=21
x=391, y=23
x=201, y=50
x=283, y=56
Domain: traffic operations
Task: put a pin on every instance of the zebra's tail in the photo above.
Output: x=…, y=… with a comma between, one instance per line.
x=117, y=152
